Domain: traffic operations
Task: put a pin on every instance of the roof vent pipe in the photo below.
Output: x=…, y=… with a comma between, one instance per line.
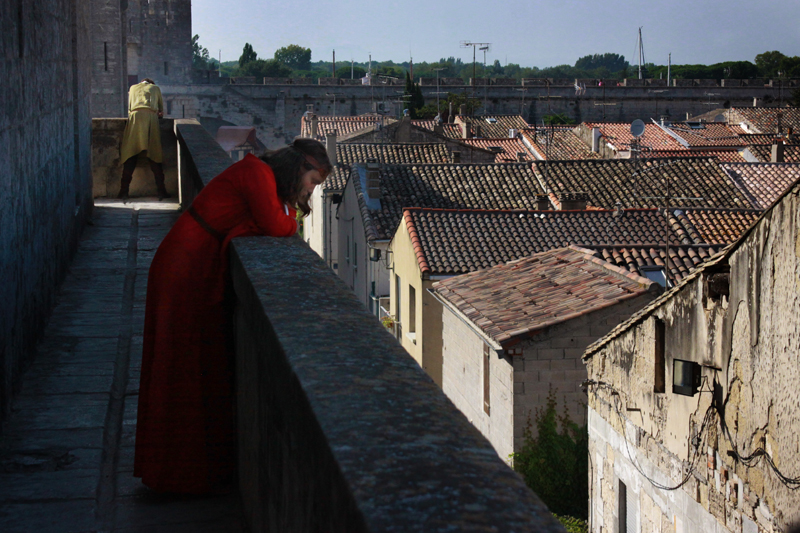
x=330, y=145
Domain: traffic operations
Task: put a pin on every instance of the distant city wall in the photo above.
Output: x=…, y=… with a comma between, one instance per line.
x=275, y=110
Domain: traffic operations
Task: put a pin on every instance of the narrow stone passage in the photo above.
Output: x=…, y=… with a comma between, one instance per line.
x=66, y=454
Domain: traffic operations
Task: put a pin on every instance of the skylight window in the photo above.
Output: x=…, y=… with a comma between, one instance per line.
x=654, y=273
x=491, y=120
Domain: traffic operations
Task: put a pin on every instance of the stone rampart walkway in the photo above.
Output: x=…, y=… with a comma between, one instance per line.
x=66, y=454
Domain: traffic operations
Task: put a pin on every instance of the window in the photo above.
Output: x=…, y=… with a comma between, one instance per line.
x=660, y=361
x=654, y=273
x=397, y=299
x=412, y=309
x=486, y=364
x=627, y=511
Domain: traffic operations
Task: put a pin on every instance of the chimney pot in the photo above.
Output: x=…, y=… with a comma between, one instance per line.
x=450, y=116
x=777, y=152
x=462, y=109
x=466, y=133
x=573, y=201
x=314, y=126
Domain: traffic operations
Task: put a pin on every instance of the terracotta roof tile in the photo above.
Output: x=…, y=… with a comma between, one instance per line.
x=763, y=182
x=449, y=186
x=343, y=125
x=451, y=131
x=510, y=148
x=461, y=241
x=706, y=134
x=791, y=153
x=397, y=153
x=493, y=126
x=558, y=143
x=728, y=156
x=765, y=119
x=609, y=181
x=618, y=134
x=519, y=298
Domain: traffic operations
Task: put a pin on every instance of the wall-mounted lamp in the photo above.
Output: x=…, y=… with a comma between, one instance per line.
x=374, y=254
x=685, y=377
x=336, y=199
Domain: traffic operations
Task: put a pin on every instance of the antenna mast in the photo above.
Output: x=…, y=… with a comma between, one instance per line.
x=640, y=47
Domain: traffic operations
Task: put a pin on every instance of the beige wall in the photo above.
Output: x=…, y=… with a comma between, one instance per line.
x=425, y=344
x=749, y=346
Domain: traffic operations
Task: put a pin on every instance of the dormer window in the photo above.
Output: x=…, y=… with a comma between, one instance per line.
x=655, y=273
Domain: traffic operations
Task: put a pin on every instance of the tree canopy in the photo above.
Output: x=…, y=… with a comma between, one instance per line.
x=265, y=68
x=248, y=55
x=294, y=56
x=200, y=56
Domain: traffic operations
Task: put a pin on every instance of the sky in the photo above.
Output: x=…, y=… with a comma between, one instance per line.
x=542, y=34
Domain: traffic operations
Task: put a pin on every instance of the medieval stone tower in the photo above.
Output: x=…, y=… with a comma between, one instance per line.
x=135, y=39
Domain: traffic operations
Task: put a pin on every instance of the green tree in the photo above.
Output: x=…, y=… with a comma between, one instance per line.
x=200, y=56
x=265, y=68
x=613, y=62
x=344, y=71
x=248, y=55
x=412, y=96
x=555, y=463
x=769, y=63
x=294, y=56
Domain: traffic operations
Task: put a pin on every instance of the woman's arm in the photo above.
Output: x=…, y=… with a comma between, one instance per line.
x=267, y=209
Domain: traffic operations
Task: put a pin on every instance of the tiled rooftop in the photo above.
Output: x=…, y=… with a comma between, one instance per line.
x=706, y=134
x=447, y=186
x=509, y=146
x=493, y=126
x=610, y=181
x=461, y=241
x=762, y=152
x=618, y=134
x=765, y=119
x=563, y=143
x=683, y=258
x=764, y=182
x=395, y=153
x=517, y=299
x=728, y=156
x=343, y=125
x=451, y=131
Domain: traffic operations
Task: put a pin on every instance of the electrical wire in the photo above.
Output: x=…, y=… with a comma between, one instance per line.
x=748, y=460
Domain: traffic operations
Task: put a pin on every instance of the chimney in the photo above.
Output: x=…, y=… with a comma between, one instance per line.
x=573, y=201
x=373, y=179
x=438, y=129
x=777, y=152
x=456, y=156
x=314, y=126
x=477, y=130
x=595, y=140
x=521, y=157
x=462, y=109
x=512, y=133
x=450, y=116
x=542, y=202
x=756, y=101
x=330, y=145
x=466, y=133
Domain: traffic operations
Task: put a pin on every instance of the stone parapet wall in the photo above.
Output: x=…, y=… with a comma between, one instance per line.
x=45, y=174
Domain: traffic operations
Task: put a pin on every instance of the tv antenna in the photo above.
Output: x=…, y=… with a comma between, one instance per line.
x=475, y=46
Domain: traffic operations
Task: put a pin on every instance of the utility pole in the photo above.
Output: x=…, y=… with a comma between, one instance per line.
x=465, y=44
x=334, y=63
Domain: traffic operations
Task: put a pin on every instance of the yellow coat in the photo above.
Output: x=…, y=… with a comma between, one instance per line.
x=141, y=132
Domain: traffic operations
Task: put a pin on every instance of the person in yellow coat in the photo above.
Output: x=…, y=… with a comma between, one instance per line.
x=145, y=107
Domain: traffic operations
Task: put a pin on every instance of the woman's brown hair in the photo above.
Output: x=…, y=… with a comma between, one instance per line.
x=290, y=163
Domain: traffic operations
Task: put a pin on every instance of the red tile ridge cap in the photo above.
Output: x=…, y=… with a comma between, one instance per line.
x=416, y=243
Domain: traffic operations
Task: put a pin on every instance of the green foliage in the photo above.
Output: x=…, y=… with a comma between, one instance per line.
x=248, y=55
x=412, y=97
x=572, y=524
x=555, y=463
x=200, y=56
x=718, y=71
x=265, y=68
x=610, y=62
x=556, y=119
x=344, y=71
x=795, y=98
x=294, y=56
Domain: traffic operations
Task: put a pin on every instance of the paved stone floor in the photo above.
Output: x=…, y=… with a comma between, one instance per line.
x=66, y=454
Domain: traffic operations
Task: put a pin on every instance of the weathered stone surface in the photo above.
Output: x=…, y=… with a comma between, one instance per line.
x=48, y=517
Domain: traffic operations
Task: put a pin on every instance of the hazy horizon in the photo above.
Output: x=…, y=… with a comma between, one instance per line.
x=519, y=32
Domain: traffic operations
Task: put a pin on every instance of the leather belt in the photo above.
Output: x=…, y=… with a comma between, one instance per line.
x=203, y=224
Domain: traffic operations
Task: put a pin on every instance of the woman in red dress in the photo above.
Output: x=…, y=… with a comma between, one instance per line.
x=185, y=433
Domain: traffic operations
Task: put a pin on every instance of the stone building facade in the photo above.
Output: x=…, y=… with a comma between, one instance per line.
x=693, y=403
x=45, y=158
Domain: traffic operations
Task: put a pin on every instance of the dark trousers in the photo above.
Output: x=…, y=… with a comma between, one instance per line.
x=127, y=175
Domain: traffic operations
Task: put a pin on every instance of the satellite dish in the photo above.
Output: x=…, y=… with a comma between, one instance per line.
x=637, y=128
x=720, y=118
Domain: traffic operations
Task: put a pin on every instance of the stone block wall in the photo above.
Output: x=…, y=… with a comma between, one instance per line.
x=109, y=59
x=159, y=42
x=45, y=175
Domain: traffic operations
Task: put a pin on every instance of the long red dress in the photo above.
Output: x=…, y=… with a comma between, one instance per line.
x=185, y=430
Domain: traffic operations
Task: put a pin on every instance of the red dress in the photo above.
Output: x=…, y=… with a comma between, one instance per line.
x=185, y=433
